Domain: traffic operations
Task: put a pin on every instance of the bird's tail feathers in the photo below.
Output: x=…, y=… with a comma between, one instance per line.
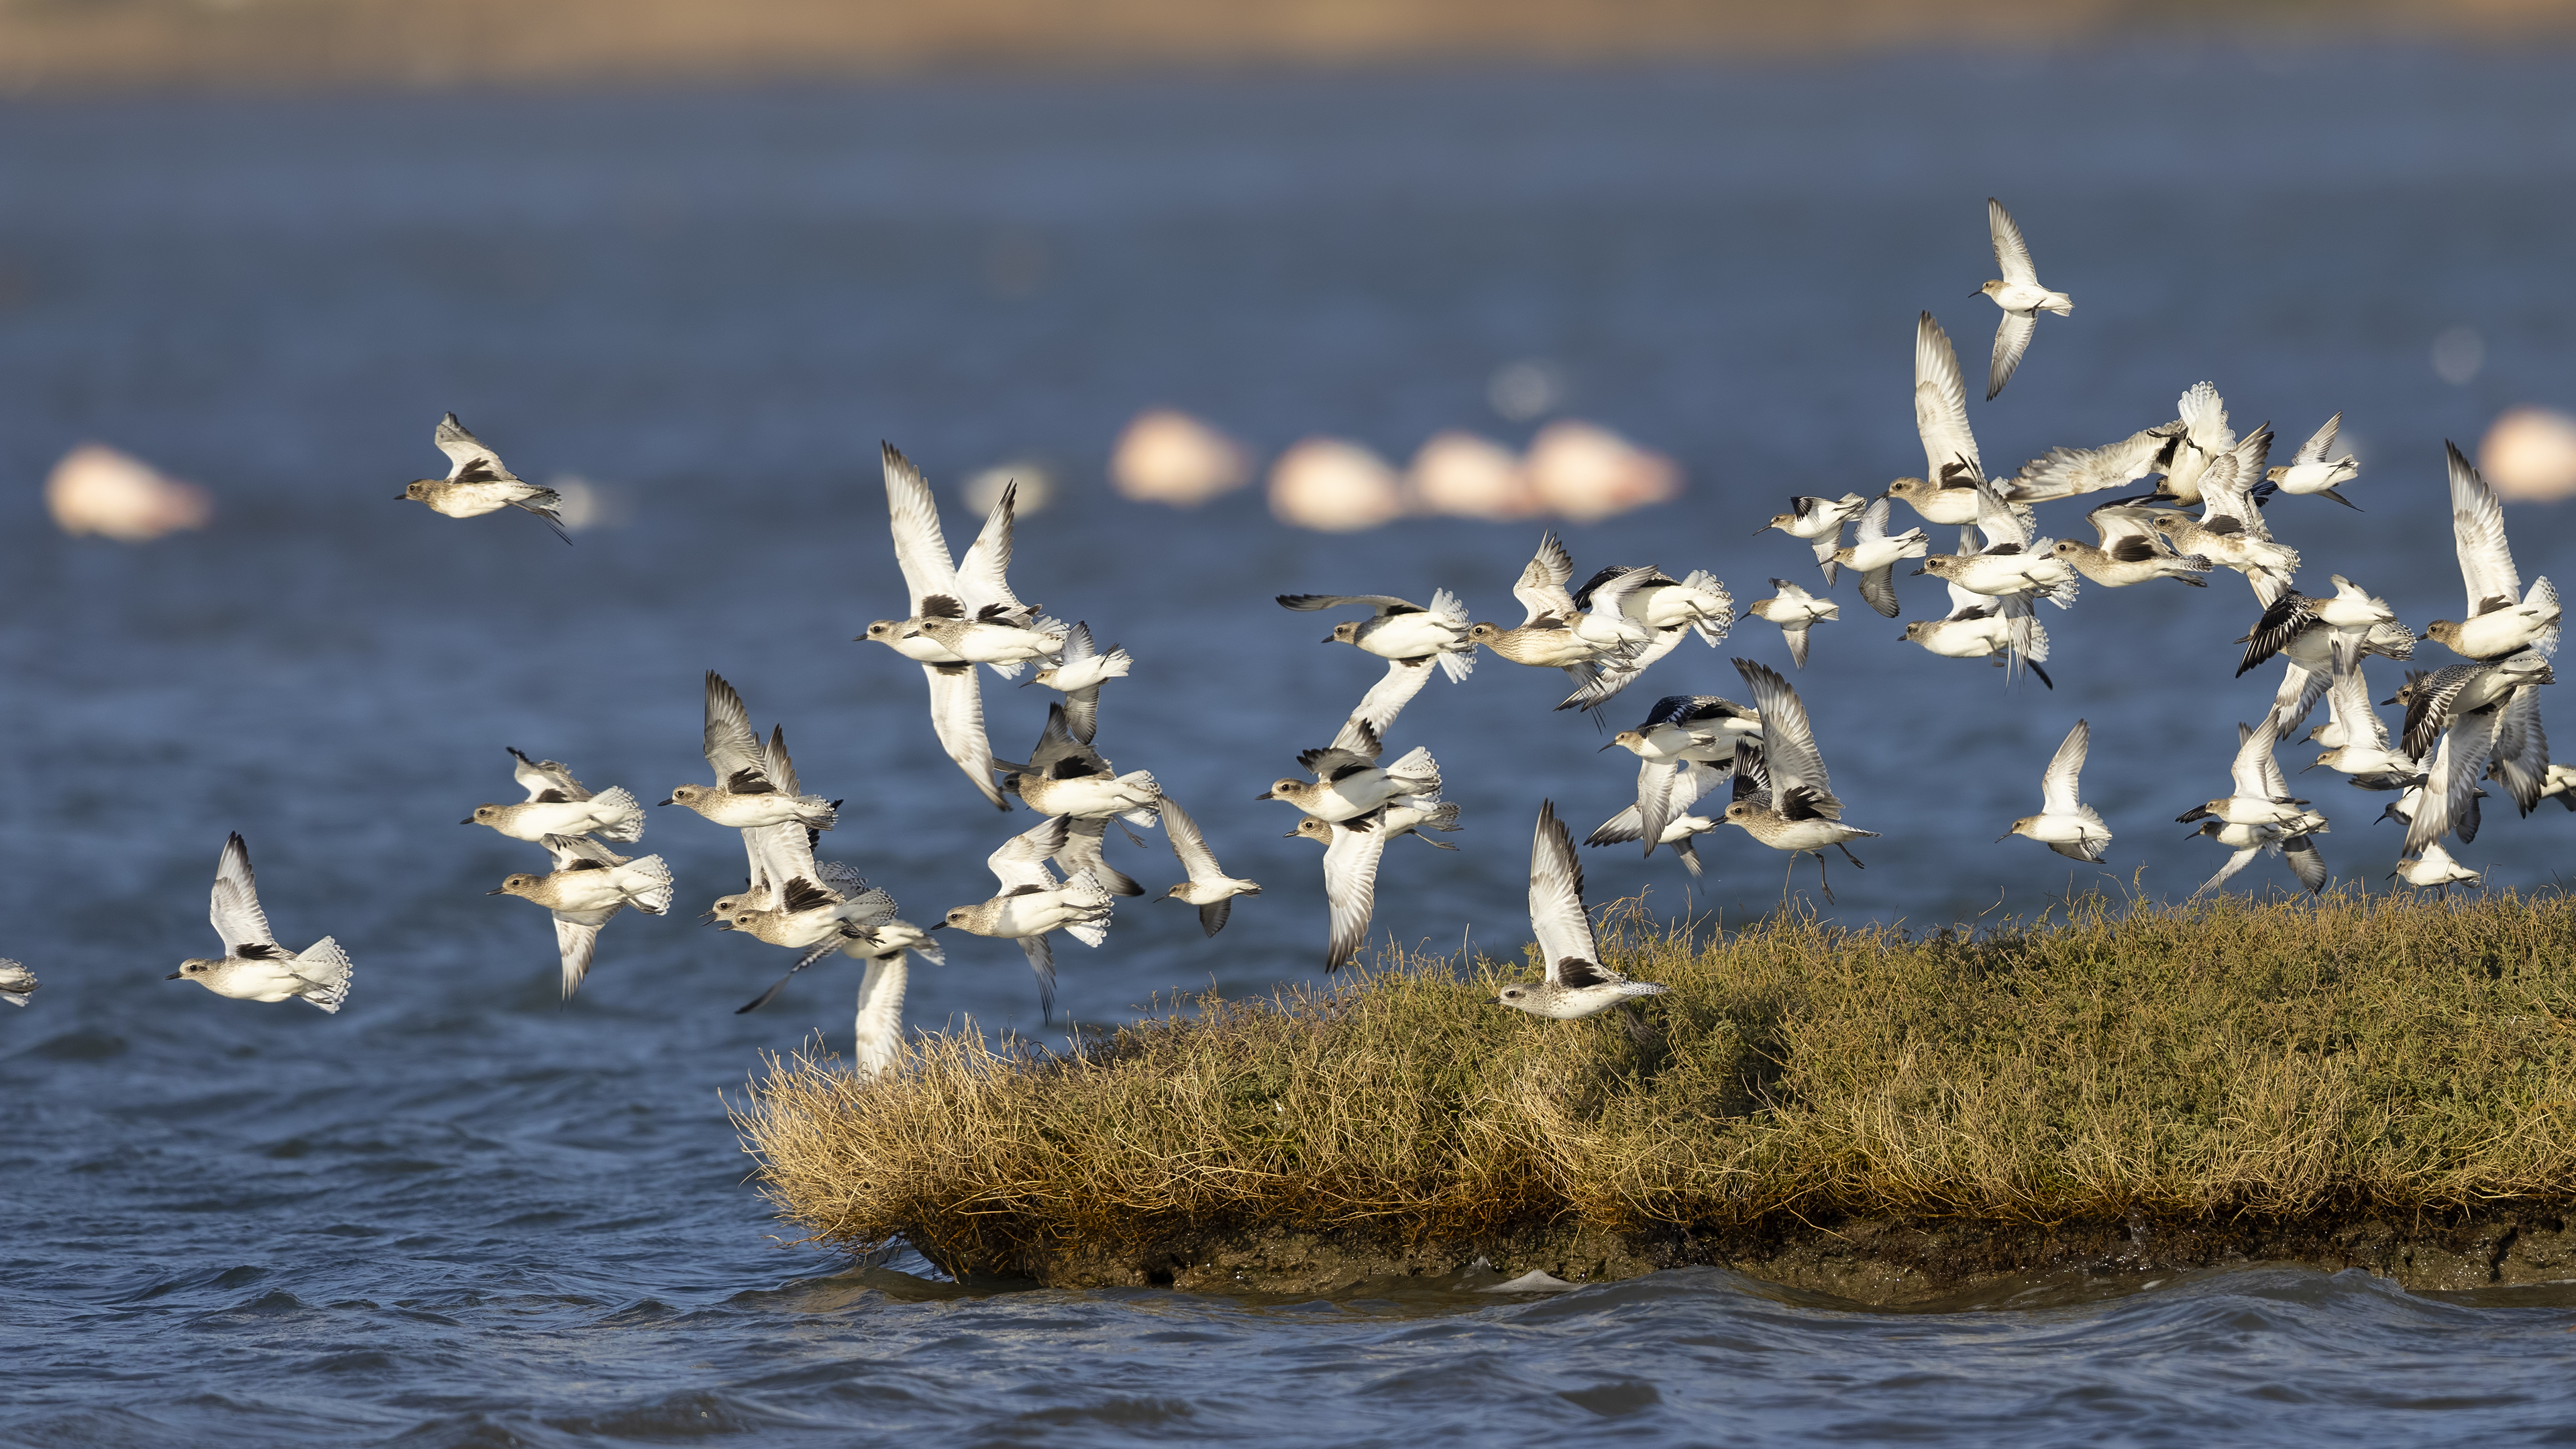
x=327, y=967
x=654, y=878
x=619, y=816
x=1143, y=817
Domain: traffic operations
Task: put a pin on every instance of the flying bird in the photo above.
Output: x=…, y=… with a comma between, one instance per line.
x=254, y=967
x=2019, y=293
x=478, y=483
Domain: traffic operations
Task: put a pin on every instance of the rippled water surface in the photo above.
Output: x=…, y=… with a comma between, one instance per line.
x=463, y=1213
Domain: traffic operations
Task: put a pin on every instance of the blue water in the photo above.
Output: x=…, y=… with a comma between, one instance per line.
x=463, y=1213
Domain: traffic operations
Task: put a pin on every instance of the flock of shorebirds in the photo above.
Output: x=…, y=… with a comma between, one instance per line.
x=2464, y=725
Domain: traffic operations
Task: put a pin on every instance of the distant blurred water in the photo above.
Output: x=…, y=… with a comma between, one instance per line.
x=460, y=1213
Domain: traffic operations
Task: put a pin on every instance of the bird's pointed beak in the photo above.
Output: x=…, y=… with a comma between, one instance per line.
x=1918, y=573
x=1291, y=835
x=1757, y=533
x=937, y=926
x=665, y=800
x=1265, y=795
x=468, y=820
x=2000, y=839
x=1327, y=639
x=398, y=498
x=1604, y=747
x=175, y=975
x=496, y=891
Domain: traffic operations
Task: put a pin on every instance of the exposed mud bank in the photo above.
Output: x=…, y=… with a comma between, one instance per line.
x=1866, y=1262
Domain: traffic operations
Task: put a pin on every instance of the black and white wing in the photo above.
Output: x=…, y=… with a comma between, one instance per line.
x=1541, y=589
x=1059, y=755
x=1189, y=847
x=2235, y=863
x=1083, y=840
x=2012, y=254
x=576, y=941
x=468, y=460
x=1042, y=964
x=1022, y=860
x=1797, y=772
x=2348, y=704
x=920, y=549
x=1381, y=603
x=1556, y=904
x=2253, y=770
x=1350, y=884
x=539, y=776
x=982, y=575
x=957, y=718
x=2521, y=755
x=2012, y=339
x=2449, y=804
x=2300, y=851
x=1387, y=698
x=2059, y=787
x=2284, y=620
x=237, y=918
x=2064, y=472
x=2319, y=443
x=580, y=852
x=2477, y=527
x=1941, y=404
x=2005, y=527
x=741, y=765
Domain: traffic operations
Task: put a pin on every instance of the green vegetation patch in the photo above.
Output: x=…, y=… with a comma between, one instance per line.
x=2301, y=1061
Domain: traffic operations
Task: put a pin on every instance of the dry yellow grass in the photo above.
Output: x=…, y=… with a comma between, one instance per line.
x=2287, y=1061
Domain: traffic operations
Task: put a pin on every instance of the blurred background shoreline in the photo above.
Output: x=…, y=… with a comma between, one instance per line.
x=72, y=47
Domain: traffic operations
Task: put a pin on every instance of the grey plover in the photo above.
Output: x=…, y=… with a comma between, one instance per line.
x=2066, y=824
x=1399, y=629
x=2501, y=618
x=589, y=885
x=882, y=947
x=2230, y=531
x=254, y=967
x=1679, y=728
x=978, y=585
x=477, y=483
x=1033, y=903
x=1576, y=983
x=743, y=795
x=558, y=804
x=17, y=983
x=2132, y=551
x=1064, y=776
x=1348, y=782
x=2019, y=293
x=1799, y=814
x=1946, y=493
